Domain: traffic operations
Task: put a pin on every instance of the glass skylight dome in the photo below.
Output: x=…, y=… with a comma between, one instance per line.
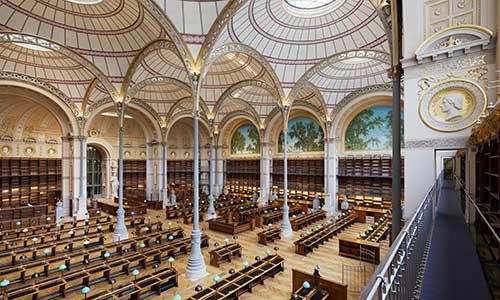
x=311, y=8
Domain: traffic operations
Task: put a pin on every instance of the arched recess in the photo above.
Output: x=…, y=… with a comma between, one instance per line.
x=148, y=122
x=275, y=126
x=47, y=98
x=233, y=123
x=347, y=113
x=108, y=163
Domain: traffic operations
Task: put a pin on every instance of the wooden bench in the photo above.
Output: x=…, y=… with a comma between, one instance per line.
x=224, y=253
x=244, y=280
x=307, y=243
x=304, y=220
x=269, y=235
x=15, y=223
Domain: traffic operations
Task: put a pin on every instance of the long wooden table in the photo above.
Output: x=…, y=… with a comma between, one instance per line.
x=244, y=280
x=307, y=243
x=304, y=220
x=269, y=235
x=321, y=288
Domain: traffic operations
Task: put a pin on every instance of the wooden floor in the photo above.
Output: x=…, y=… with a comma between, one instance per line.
x=278, y=288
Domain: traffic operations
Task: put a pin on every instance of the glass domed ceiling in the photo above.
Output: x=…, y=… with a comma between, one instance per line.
x=310, y=8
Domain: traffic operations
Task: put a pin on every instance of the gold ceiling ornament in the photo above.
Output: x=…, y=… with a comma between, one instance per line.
x=487, y=129
x=452, y=105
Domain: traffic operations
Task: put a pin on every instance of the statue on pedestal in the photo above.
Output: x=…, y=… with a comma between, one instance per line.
x=344, y=205
x=59, y=210
x=274, y=197
x=173, y=198
x=316, y=202
x=114, y=187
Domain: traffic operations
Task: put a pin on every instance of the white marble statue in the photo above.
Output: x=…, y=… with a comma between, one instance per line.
x=173, y=198
x=226, y=192
x=204, y=189
x=316, y=202
x=59, y=210
x=114, y=187
x=344, y=205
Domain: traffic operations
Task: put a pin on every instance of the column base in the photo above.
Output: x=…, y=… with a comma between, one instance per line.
x=196, y=268
x=286, y=231
x=121, y=232
x=117, y=237
x=82, y=213
x=211, y=213
x=261, y=202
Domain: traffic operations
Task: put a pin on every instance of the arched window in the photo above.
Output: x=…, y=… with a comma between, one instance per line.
x=94, y=172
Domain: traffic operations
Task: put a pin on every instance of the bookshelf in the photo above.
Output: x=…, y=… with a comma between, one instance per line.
x=134, y=175
x=367, y=180
x=487, y=177
x=36, y=181
x=306, y=177
x=180, y=172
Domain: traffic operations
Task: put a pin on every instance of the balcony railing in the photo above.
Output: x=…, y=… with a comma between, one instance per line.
x=399, y=275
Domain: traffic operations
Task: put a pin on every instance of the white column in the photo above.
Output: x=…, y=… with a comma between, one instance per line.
x=211, y=213
x=67, y=156
x=265, y=173
x=121, y=232
x=81, y=212
x=470, y=182
x=331, y=161
x=153, y=171
x=164, y=194
x=286, y=227
x=196, y=268
x=204, y=165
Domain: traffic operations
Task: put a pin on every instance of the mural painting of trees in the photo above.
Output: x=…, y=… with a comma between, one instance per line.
x=371, y=130
x=304, y=135
x=245, y=140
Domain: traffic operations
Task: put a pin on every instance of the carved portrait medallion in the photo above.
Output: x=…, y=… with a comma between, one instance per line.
x=452, y=105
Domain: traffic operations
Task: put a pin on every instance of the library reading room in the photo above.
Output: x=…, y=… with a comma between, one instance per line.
x=249, y=149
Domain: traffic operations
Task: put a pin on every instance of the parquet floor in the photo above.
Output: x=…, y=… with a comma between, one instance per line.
x=278, y=288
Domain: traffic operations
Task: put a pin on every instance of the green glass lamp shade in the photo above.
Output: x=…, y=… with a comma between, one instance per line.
x=135, y=272
x=62, y=267
x=306, y=285
x=4, y=283
x=245, y=263
x=268, y=252
x=170, y=237
x=46, y=251
x=142, y=245
x=85, y=290
x=171, y=259
x=106, y=254
x=216, y=278
x=176, y=297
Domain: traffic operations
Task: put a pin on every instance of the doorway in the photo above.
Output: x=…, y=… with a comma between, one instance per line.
x=94, y=172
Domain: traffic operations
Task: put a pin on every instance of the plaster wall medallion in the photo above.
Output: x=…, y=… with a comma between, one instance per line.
x=452, y=105
x=127, y=154
x=29, y=150
x=6, y=150
x=143, y=154
x=186, y=154
x=172, y=154
x=51, y=151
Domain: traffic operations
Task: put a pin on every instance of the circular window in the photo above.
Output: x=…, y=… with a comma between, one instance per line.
x=310, y=8
x=85, y=1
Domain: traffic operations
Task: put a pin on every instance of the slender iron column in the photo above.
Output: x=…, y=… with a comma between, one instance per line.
x=396, y=156
x=196, y=268
x=81, y=212
x=211, y=209
x=286, y=227
x=164, y=196
x=121, y=232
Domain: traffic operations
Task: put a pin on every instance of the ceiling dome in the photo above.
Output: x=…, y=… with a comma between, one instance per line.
x=292, y=44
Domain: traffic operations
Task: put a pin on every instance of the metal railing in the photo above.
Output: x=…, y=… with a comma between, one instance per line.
x=484, y=237
x=397, y=276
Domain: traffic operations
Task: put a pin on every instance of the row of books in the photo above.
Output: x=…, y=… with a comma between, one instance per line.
x=29, y=167
x=243, y=166
x=367, y=166
x=315, y=167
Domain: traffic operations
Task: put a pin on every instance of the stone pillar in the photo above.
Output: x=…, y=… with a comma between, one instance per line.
x=204, y=165
x=82, y=212
x=153, y=171
x=265, y=173
x=67, y=165
x=120, y=232
x=331, y=161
